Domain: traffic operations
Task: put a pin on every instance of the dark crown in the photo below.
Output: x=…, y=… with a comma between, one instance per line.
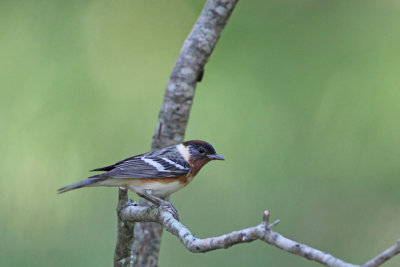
x=199, y=143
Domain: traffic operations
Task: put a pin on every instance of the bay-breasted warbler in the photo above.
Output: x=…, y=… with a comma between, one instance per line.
x=156, y=174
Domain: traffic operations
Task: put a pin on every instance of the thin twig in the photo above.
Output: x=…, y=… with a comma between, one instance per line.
x=384, y=256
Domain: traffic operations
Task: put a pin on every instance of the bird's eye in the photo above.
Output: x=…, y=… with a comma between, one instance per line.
x=201, y=150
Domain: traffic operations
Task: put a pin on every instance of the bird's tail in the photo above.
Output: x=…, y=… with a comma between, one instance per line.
x=84, y=183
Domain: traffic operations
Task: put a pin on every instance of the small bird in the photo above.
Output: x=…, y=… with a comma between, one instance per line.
x=156, y=174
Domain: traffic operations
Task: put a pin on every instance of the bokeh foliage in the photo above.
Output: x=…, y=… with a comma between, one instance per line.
x=300, y=97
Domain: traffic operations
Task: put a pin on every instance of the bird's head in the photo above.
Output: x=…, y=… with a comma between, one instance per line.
x=201, y=151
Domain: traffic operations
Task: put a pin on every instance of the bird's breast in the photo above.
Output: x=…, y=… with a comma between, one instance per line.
x=160, y=187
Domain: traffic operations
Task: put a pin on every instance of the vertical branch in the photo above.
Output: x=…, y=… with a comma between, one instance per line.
x=175, y=110
x=125, y=233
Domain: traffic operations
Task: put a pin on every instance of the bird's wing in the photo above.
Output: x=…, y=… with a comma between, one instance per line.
x=145, y=166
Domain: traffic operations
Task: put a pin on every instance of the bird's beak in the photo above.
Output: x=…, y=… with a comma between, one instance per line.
x=215, y=157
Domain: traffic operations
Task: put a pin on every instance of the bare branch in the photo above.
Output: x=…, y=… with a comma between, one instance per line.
x=261, y=232
x=304, y=251
x=384, y=256
x=175, y=110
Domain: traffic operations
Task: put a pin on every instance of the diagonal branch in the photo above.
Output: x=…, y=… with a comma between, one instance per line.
x=261, y=232
x=174, y=113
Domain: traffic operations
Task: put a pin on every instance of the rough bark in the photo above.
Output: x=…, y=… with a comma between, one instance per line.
x=173, y=118
x=124, y=234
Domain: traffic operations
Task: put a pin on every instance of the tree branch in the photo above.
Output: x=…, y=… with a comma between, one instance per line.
x=261, y=232
x=188, y=69
x=178, y=99
x=173, y=118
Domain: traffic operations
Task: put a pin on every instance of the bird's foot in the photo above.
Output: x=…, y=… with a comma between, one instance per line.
x=168, y=206
x=160, y=202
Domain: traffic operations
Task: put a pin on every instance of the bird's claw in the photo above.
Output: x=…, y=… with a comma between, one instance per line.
x=129, y=203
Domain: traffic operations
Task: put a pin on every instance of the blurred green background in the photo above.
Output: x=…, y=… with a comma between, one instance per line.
x=301, y=97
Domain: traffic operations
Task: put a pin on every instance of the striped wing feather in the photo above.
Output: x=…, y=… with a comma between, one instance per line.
x=144, y=167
